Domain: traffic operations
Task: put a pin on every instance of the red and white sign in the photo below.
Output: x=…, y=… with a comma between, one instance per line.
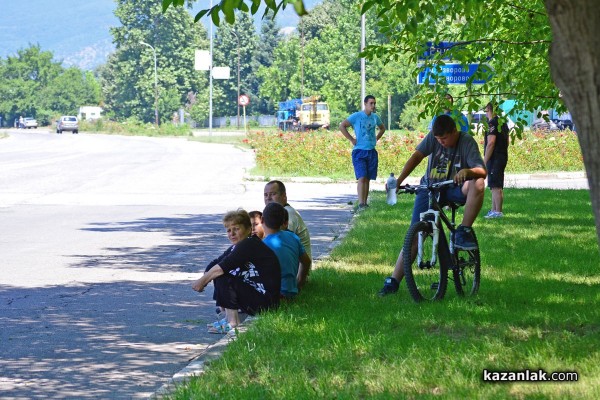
x=243, y=100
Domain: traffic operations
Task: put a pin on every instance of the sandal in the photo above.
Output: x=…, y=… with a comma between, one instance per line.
x=220, y=322
x=222, y=329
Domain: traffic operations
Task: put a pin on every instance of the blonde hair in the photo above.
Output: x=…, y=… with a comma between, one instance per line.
x=237, y=217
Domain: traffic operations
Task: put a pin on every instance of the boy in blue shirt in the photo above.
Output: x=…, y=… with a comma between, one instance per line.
x=293, y=259
x=364, y=156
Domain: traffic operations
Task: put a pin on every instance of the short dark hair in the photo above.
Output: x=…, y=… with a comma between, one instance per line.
x=368, y=97
x=491, y=106
x=273, y=215
x=280, y=186
x=442, y=125
x=254, y=214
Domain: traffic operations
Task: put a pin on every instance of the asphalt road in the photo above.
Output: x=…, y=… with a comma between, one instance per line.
x=100, y=238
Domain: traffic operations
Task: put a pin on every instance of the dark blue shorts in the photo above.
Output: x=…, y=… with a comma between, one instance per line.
x=365, y=163
x=453, y=194
x=495, y=171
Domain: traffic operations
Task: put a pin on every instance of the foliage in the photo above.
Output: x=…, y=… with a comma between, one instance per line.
x=32, y=84
x=133, y=127
x=128, y=77
x=537, y=308
x=513, y=40
x=537, y=151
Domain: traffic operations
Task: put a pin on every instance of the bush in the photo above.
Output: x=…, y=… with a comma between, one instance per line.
x=133, y=126
x=328, y=154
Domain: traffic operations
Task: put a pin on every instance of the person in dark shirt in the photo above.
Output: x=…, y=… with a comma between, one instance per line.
x=246, y=277
x=495, y=156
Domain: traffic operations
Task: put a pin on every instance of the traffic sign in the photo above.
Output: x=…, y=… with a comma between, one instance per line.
x=435, y=48
x=243, y=100
x=455, y=74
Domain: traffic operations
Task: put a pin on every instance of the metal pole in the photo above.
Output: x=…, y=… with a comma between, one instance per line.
x=362, y=61
x=238, y=74
x=155, y=84
x=210, y=69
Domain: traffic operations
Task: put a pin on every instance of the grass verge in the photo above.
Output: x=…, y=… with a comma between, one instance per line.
x=538, y=307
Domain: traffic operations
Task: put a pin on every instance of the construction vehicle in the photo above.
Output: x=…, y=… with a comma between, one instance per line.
x=313, y=114
x=287, y=118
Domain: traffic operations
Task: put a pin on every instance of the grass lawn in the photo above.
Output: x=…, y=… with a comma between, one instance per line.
x=538, y=307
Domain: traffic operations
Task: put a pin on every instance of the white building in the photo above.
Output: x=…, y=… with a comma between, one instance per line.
x=89, y=113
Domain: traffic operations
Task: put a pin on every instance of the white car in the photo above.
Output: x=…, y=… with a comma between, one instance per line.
x=30, y=123
x=67, y=123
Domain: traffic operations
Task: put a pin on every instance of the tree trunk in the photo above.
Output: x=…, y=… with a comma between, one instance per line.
x=575, y=65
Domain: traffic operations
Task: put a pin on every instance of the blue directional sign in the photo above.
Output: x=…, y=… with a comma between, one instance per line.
x=437, y=48
x=455, y=74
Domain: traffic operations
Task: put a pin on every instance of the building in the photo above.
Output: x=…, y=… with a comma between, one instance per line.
x=89, y=113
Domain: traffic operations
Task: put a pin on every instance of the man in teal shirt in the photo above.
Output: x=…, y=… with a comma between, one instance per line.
x=364, y=156
x=461, y=121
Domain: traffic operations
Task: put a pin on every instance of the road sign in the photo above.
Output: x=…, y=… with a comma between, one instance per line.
x=243, y=100
x=435, y=48
x=455, y=74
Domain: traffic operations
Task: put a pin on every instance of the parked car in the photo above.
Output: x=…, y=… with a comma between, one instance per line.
x=67, y=123
x=543, y=125
x=563, y=124
x=29, y=123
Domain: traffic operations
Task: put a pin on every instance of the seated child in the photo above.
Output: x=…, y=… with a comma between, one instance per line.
x=293, y=259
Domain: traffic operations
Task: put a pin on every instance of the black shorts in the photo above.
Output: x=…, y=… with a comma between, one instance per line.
x=495, y=171
x=233, y=293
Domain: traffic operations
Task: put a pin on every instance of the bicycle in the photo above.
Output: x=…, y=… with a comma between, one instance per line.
x=428, y=256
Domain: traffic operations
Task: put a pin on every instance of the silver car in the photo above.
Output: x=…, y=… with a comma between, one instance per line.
x=67, y=123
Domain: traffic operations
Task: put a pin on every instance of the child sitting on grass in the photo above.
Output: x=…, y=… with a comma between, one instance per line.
x=293, y=258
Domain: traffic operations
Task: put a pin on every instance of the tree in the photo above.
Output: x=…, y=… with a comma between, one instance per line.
x=225, y=47
x=128, y=76
x=23, y=77
x=537, y=50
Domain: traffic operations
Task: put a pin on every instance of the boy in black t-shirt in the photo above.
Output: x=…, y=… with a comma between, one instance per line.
x=495, y=150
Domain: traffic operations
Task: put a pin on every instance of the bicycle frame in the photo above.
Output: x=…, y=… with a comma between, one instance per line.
x=433, y=216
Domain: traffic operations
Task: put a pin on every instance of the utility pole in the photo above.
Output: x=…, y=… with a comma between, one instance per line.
x=238, y=76
x=155, y=85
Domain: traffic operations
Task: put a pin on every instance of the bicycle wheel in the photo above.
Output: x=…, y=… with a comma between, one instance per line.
x=426, y=276
x=467, y=270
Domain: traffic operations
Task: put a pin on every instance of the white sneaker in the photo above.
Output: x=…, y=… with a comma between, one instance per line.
x=494, y=214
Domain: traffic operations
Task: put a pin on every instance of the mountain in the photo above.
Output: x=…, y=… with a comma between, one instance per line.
x=77, y=31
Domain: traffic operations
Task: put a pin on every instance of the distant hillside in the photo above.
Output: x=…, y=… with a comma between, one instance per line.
x=76, y=31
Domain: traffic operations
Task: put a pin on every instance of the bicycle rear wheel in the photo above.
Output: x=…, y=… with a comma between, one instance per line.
x=426, y=278
x=467, y=271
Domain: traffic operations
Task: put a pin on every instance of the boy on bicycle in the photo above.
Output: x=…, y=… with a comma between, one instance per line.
x=452, y=155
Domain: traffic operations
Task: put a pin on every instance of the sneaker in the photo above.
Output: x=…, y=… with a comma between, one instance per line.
x=359, y=208
x=464, y=238
x=390, y=286
x=494, y=214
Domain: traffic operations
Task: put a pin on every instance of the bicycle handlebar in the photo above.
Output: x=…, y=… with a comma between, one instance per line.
x=433, y=186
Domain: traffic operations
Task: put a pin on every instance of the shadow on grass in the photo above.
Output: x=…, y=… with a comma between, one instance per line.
x=538, y=307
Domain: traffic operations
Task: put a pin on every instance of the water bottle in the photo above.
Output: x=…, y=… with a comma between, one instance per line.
x=390, y=187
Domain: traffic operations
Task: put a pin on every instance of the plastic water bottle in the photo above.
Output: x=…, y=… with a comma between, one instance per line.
x=390, y=188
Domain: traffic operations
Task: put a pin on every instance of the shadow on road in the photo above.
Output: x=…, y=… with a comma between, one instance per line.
x=124, y=339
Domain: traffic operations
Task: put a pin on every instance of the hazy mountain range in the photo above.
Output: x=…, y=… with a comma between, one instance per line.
x=76, y=31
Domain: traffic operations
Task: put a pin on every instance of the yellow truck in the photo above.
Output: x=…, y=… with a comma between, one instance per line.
x=313, y=114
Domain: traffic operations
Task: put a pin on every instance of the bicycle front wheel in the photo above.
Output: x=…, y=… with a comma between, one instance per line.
x=467, y=271
x=426, y=276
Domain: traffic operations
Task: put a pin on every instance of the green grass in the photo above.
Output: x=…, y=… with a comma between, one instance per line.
x=538, y=307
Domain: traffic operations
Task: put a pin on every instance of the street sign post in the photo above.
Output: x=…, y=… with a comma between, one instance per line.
x=243, y=101
x=455, y=74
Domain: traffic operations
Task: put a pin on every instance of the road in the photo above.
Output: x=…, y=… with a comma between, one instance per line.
x=100, y=238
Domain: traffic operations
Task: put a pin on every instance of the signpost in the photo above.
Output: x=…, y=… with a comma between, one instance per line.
x=243, y=101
